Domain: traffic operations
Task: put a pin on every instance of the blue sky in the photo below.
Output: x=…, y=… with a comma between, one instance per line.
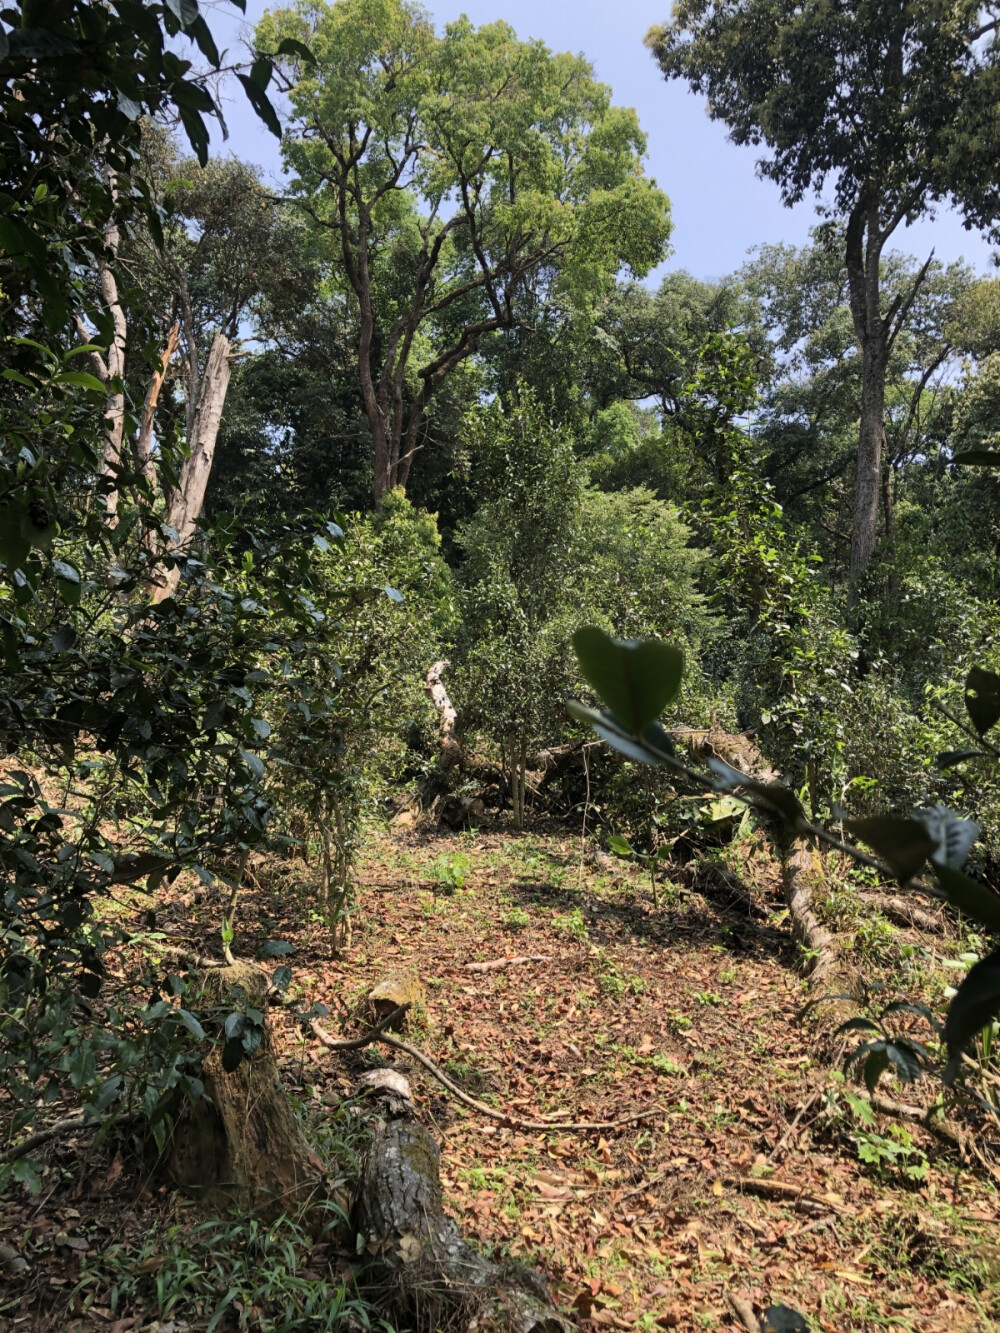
x=720, y=208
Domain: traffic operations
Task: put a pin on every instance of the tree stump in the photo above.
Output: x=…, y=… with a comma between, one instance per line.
x=422, y=1273
x=241, y=1144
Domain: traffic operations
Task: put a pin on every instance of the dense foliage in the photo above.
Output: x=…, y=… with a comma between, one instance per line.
x=222, y=586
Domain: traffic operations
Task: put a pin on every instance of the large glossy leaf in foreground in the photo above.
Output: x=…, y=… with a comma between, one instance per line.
x=636, y=679
x=976, y=1004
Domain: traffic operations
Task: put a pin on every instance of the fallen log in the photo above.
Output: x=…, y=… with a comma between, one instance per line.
x=800, y=873
x=905, y=913
x=421, y=1272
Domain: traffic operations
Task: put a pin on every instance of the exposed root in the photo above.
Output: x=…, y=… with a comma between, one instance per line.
x=511, y=1122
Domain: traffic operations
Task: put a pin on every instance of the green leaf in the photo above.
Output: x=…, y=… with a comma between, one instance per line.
x=904, y=1061
x=288, y=46
x=192, y=1024
x=977, y=458
x=232, y=1054
x=275, y=949
x=200, y=33
x=976, y=1004
x=783, y=1319
x=259, y=101
x=394, y=595
x=64, y=639
x=235, y=1024
x=954, y=836
x=857, y=1025
x=27, y=1172
x=774, y=795
x=262, y=728
x=185, y=11
x=949, y=758
x=194, y=128
x=621, y=846
x=636, y=679
x=253, y=762
x=260, y=73
x=971, y=898
x=281, y=978
x=982, y=698
x=875, y=1066
x=83, y=378
x=40, y=44
x=904, y=844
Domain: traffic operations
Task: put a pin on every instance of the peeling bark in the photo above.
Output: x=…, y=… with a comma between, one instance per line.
x=114, y=414
x=451, y=751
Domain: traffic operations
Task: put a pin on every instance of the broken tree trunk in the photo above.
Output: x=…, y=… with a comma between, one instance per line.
x=451, y=751
x=185, y=505
x=144, y=440
x=422, y=1273
x=241, y=1144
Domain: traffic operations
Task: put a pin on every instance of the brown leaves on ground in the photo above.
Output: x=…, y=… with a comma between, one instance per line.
x=686, y=1011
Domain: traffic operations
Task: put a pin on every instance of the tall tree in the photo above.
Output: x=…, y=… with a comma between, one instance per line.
x=892, y=104
x=811, y=401
x=459, y=178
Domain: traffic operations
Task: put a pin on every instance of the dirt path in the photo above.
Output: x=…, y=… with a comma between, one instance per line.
x=743, y=1180
x=688, y=1011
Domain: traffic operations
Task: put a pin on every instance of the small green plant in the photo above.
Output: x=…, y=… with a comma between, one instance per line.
x=516, y=919
x=895, y=1154
x=178, y=1272
x=572, y=923
x=885, y=1049
x=649, y=861
x=450, y=872
x=611, y=983
x=708, y=998
x=664, y=1065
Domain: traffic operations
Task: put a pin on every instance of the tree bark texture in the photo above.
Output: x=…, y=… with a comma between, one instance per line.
x=871, y=446
x=241, y=1145
x=114, y=414
x=186, y=502
x=451, y=751
x=422, y=1273
x=144, y=441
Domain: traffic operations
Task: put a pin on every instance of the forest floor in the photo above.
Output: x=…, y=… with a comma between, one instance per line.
x=743, y=1178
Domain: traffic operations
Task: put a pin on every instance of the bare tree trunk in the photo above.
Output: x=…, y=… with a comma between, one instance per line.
x=423, y=1274
x=144, y=441
x=871, y=442
x=186, y=502
x=110, y=371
